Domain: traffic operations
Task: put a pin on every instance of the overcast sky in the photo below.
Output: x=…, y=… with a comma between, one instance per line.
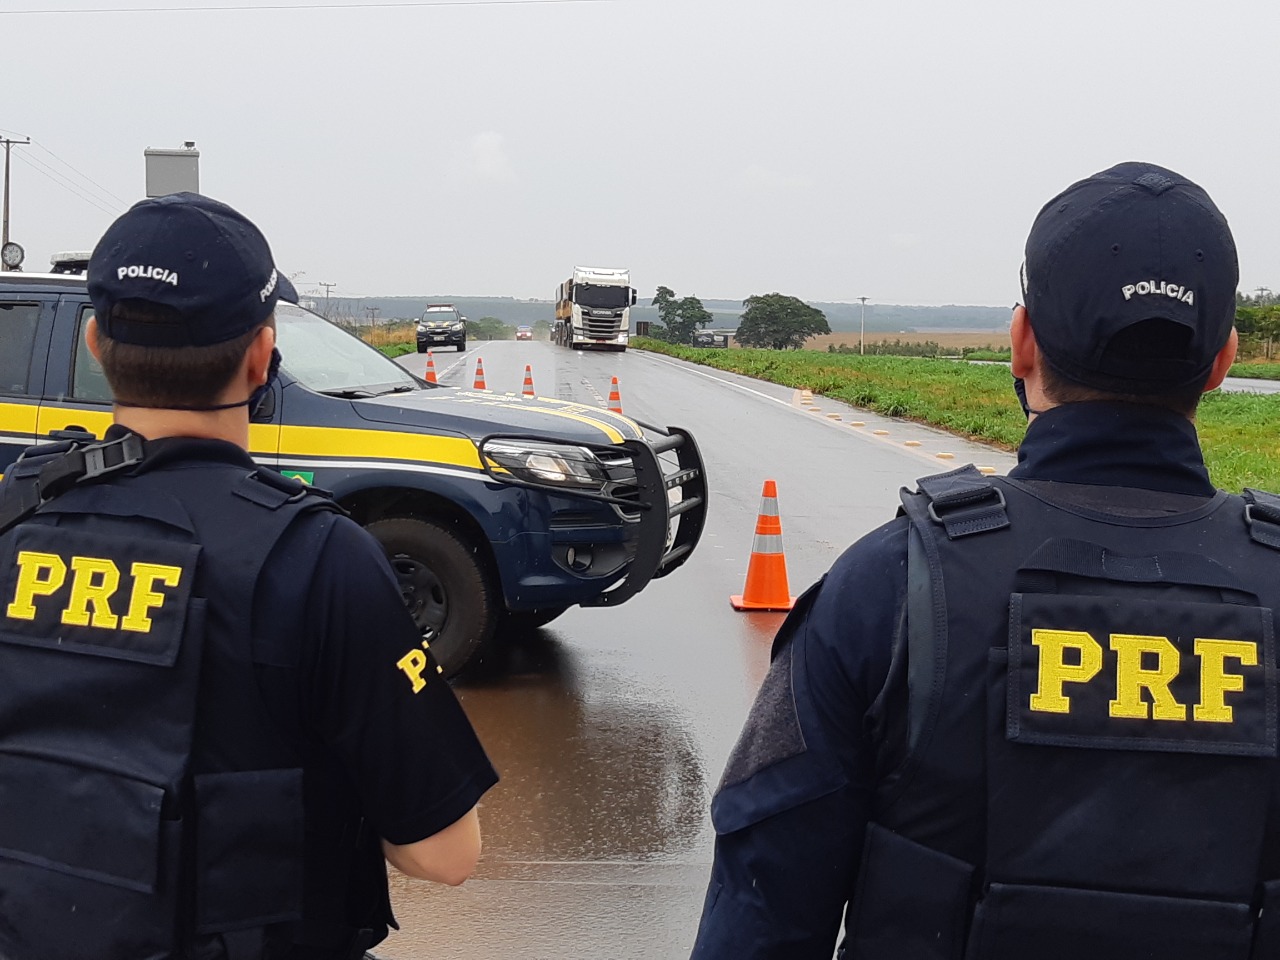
x=827, y=149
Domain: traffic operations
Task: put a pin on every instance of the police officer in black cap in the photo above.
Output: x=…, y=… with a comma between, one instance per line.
x=208, y=741
x=1035, y=717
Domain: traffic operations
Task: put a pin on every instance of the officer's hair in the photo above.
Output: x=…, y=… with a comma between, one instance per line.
x=1061, y=390
x=168, y=377
x=1136, y=344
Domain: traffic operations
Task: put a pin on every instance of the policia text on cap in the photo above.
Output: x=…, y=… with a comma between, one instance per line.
x=207, y=740
x=1036, y=716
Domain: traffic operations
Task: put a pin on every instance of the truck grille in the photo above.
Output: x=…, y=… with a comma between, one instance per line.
x=602, y=328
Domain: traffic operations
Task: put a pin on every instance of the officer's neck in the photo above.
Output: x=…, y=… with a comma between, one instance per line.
x=230, y=425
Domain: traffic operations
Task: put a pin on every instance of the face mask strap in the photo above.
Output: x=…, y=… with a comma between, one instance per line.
x=273, y=372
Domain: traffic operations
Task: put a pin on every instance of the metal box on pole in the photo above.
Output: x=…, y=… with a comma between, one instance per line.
x=173, y=171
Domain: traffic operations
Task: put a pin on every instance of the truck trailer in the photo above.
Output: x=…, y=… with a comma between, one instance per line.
x=593, y=309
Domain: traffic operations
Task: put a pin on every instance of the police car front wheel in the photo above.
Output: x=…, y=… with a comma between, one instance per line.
x=444, y=585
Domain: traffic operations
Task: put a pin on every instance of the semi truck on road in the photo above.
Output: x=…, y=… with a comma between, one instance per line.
x=593, y=309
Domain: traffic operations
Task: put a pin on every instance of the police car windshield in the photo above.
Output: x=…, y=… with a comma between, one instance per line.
x=327, y=359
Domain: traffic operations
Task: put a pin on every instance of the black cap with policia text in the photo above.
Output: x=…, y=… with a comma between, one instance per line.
x=200, y=257
x=1132, y=244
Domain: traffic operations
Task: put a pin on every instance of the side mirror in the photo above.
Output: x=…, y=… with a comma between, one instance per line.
x=633, y=298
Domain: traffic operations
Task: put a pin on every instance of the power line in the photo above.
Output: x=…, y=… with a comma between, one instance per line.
x=67, y=186
x=106, y=194
x=83, y=176
x=309, y=6
x=64, y=180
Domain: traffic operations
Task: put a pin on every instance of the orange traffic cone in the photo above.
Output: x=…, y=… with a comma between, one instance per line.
x=766, y=587
x=479, y=384
x=528, y=382
x=615, y=398
x=431, y=368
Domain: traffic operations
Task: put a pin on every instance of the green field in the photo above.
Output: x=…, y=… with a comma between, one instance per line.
x=1256, y=371
x=1238, y=431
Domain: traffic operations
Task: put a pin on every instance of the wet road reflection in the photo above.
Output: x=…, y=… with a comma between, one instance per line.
x=586, y=775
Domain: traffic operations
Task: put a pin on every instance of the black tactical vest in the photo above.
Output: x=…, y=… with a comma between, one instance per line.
x=1080, y=729
x=122, y=600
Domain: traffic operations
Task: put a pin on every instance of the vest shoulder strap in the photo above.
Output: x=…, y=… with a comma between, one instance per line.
x=963, y=501
x=44, y=472
x=1262, y=514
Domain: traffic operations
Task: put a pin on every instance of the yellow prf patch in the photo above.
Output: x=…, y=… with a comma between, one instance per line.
x=84, y=592
x=1145, y=667
x=94, y=582
x=414, y=664
x=1116, y=672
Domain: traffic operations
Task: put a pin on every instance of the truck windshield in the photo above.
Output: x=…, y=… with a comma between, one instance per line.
x=601, y=297
x=327, y=359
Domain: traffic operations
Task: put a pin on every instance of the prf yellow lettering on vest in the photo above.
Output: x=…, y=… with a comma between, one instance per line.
x=39, y=575
x=94, y=581
x=1132, y=677
x=1056, y=673
x=144, y=598
x=1214, y=679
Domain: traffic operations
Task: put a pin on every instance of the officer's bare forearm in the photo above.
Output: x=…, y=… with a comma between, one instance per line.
x=449, y=856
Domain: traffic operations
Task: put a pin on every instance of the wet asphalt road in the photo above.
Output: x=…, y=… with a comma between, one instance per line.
x=610, y=727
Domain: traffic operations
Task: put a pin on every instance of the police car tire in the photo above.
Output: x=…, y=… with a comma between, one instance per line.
x=461, y=347
x=429, y=554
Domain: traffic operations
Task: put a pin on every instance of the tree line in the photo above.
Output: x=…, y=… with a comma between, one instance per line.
x=773, y=321
x=1258, y=323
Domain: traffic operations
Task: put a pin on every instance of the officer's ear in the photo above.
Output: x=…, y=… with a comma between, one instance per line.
x=1222, y=362
x=257, y=358
x=1022, y=343
x=91, y=338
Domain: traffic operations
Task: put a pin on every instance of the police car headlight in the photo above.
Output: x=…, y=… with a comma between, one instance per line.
x=546, y=464
x=456, y=326
x=421, y=328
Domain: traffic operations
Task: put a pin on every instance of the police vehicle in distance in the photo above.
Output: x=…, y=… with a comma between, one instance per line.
x=442, y=326
x=499, y=512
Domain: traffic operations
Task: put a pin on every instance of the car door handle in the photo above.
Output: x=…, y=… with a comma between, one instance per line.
x=78, y=434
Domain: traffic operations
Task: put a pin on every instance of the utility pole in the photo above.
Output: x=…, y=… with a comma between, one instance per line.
x=373, y=324
x=862, y=335
x=8, y=146
x=327, y=288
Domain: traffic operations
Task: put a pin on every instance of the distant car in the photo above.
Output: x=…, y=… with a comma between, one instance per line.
x=524, y=333
x=441, y=325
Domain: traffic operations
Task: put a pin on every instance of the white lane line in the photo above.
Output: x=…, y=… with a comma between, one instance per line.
x=689, y=369
x=917, y=452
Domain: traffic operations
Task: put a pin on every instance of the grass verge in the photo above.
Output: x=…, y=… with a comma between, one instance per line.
x=394, y=350
x=1255, y=371
x=1238, y=431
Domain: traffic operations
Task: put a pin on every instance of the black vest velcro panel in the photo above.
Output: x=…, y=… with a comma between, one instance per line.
x=115, y=839
x=1092, y=724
